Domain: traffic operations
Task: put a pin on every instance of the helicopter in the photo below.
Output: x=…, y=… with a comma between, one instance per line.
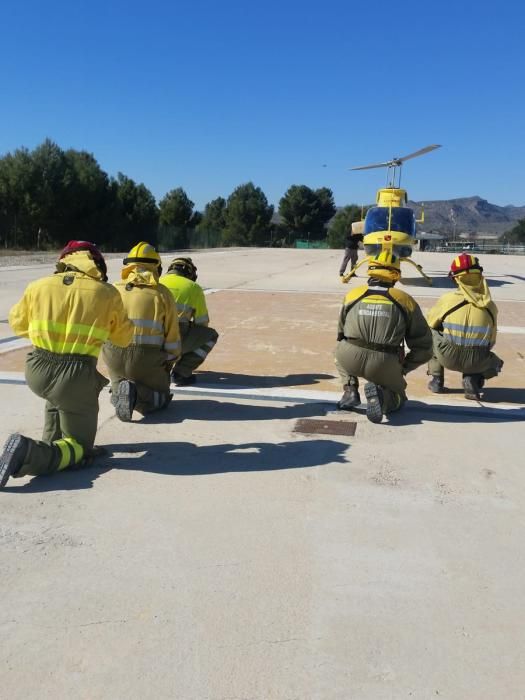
x=391, y=224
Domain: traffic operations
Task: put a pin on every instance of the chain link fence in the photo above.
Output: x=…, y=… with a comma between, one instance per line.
x=487, y=248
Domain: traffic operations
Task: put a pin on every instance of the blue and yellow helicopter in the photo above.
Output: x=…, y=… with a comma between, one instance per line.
x=391, y=224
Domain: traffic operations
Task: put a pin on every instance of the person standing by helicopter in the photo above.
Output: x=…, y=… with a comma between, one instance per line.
x=464, y=327
x=375, y=322
x=352, y=241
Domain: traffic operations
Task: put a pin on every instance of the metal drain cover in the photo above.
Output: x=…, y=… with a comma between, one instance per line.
x=325, y=427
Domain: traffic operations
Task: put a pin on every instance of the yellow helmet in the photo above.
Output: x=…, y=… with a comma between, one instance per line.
x=144, y=253
x=185, y=267
x=385, y=266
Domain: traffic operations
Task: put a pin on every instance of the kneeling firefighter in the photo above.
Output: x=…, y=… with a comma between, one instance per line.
x=140, y=373
x=67, y=317
x=374, y=324
x=464, y=327
x=198, y=339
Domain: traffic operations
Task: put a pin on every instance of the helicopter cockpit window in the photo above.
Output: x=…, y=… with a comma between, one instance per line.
x=403, y=220
x=402, y=251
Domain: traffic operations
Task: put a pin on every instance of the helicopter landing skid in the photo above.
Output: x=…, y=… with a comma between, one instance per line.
x=346, y=278
x=419, y=269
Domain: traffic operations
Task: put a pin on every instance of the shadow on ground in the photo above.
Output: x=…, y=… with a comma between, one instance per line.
x=231, y=380
x=496, y=395
x=188, y=459
x=442, y=282
x=415, y=412
x=209, y=410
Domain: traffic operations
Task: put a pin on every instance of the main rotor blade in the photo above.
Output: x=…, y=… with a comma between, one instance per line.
x=376, y=165
x=427, y=149
x=395, y=162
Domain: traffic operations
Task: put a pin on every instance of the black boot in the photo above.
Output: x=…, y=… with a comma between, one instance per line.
x=90, y=455
x=437, y=384
x=350, y=399
x=374, y=402
x=180, y=380
x=13, y=456
x=472, y=385
x=125, y=400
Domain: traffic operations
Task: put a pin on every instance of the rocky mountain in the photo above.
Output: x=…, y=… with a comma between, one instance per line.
x=467, y=215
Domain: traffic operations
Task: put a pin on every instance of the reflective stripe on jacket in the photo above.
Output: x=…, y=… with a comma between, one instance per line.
x=71, y=313
x=154, y=315
x=386, y=317
x=463, y=323
x=189, y=297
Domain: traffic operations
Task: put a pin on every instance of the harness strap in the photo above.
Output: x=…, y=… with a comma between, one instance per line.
x=459, y=306
x=451, y=311
x=386, y=294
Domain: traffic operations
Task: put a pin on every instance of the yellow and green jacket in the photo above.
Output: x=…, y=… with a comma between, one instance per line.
x=189, y=297
x=151, y=308
x=384, y=319
x=467, y=316
x=72, y=312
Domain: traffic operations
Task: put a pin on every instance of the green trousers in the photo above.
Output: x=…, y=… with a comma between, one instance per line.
x=147, y=367
x=197, y=342
x=460, y=358
x=381, y=368
x=71, y=385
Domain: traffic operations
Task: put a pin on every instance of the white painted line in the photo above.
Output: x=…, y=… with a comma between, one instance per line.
x=309, y=396
x=285, y=394
x=34, y=266
x=8, y=339
x=342, y=292
x=10, y=345
x=516, y=330
x=14, y=345
x=12, y=378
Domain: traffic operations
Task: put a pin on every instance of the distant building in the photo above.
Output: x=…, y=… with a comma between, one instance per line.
x=429, y=241
x=480, y=237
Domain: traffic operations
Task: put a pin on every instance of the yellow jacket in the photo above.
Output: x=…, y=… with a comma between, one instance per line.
x=72, y=312
x=151, y=308
x=189, y=297
x=467, y=316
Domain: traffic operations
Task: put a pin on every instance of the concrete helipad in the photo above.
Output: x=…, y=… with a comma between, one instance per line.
x=220, y=553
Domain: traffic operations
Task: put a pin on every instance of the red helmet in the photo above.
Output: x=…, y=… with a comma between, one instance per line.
x=464, y=263
x=77, y=246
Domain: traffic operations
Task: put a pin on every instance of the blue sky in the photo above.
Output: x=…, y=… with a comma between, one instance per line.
x=208, y=95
